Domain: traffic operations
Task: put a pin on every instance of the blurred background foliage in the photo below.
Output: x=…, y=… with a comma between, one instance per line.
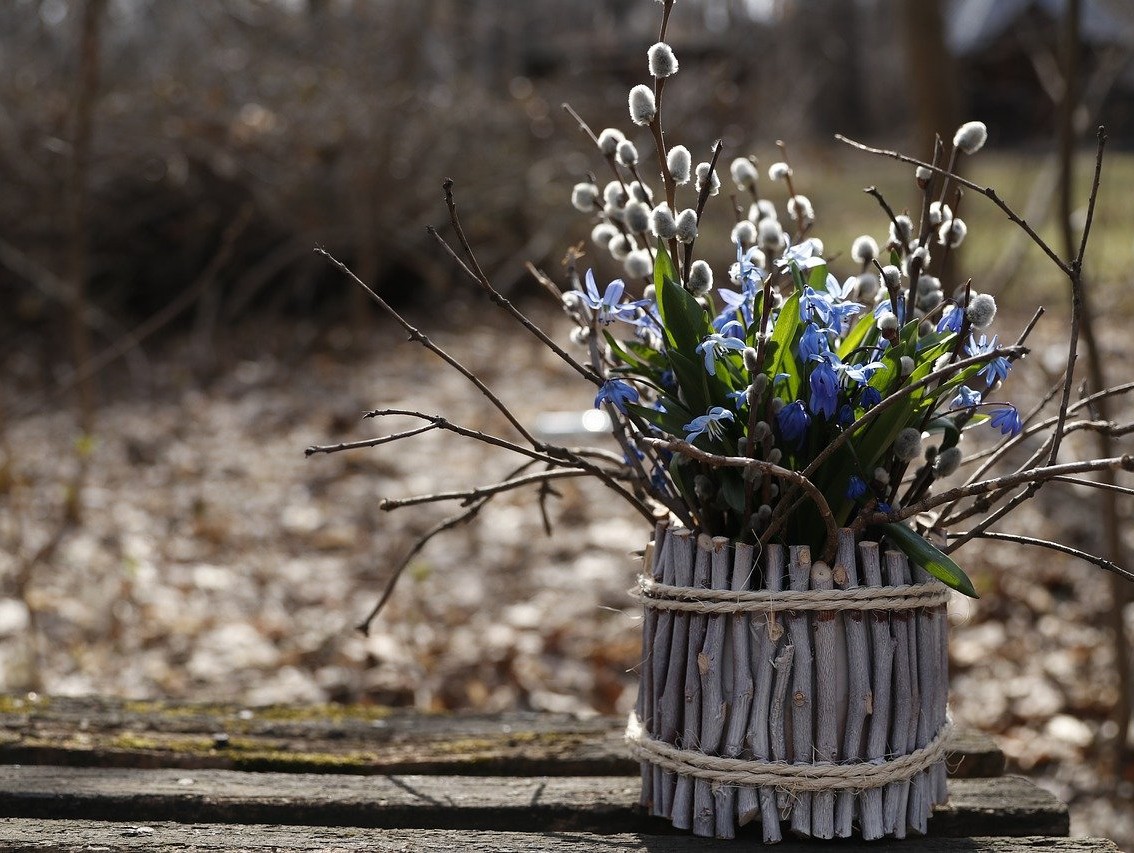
x=229, y=137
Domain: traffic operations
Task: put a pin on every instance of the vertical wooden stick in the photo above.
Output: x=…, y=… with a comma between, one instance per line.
x=942, y=704
x=777, y=736
x=647, y=700
x=739, y=627
x=709, y=663
x=922, y=793
x=696, y=623
x=896, y=794
x=671, y=684
x=765, y=637
x=872, y=819
x=803, y=688
x=827, y=700
x=845, y=576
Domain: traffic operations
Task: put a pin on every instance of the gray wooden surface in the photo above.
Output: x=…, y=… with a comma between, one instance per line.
x=93, y=731
x=97, y=773
x=1004, y=806
x=75, y=836
x=72, y=836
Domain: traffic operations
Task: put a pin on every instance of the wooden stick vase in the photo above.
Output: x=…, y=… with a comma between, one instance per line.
x=786, y=691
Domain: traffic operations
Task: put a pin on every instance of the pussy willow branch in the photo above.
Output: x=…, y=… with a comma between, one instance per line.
x=1054, y=546
x=949, y=516
x=773, y=470
x=472, y=268
x=989, y=192
x=467, y=496
x=702, y=199
x=420, y=337
x=1072, y=269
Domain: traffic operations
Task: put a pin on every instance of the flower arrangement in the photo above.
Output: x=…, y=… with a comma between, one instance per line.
x=798, y=391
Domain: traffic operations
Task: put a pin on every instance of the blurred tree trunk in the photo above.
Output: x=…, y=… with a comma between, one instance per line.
x=934, y=92
x=841, y=104
x=76, y=194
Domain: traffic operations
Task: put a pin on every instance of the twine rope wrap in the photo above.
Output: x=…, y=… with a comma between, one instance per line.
x=660, y=596
x=796, y=778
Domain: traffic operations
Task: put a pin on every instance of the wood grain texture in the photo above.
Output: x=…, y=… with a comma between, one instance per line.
x=72, y=836
x=1007, y=806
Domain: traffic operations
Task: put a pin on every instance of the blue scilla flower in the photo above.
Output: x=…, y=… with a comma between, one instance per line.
x=814, y=305
x=730, y=337
x=859, y=373
x=805, y=254
x=966, y=398
x=842, y=308
x=1007, y=420
x=814, y=343
x=870, y=397
x=747, y=271
x=712, y=422
x=793, y=422
x=607, y=305
x=845, y=416
x=951, y=320
x=856, y=487
x=824, y=382
x=739, y=398
x=617, y=393
x=997, y=368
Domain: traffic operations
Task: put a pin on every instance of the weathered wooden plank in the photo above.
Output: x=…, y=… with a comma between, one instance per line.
x=95, y=731
x=1008, y=806
x=67, y=836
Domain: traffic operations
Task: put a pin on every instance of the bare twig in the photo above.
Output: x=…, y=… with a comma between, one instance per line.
x=795, y=477
x=420, y=337
x=1030, y=475
x=467, y=496
x=1054, y=546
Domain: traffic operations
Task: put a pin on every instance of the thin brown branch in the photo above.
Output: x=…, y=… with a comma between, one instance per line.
x=1054, y=546
x=474, y=270
x=988, y=192
x=769, y=468
x=368, y=442
x=420, y=337
x=467, y=496
x=1029, y=476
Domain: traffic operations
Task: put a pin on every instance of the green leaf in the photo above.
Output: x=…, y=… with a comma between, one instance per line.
x=783, y=333
x=635, y=354
x=683, y=317
x=937, y=563
x=664, y=270
x=817, y=277
x=669, y=421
